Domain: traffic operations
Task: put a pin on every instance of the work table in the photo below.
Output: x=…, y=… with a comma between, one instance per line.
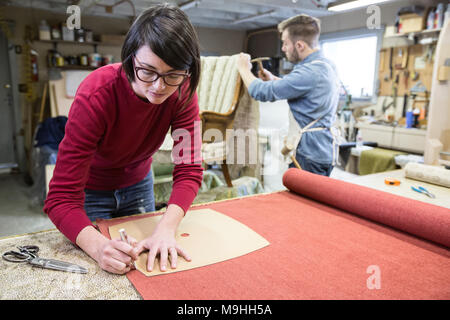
x=21, y=281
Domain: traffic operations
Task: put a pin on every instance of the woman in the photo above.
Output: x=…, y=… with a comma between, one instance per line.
x=118, y=120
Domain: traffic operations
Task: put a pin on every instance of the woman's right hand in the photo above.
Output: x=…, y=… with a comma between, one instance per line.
x=116, y=256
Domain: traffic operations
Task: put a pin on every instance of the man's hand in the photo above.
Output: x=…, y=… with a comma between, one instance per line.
x=244, y=67
x=243, y=62
x=266, y=75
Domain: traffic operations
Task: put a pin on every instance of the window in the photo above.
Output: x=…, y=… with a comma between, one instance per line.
x=355, y=54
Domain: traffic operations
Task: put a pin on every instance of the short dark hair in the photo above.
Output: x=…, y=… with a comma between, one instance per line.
x=302, y=27
x=166, y=29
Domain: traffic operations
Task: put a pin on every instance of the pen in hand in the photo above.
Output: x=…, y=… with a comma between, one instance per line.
x=124, y=238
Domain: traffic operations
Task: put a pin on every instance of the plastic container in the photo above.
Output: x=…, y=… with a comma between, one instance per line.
x=56, y=33
x=359, y=139
x=80, y=35
x=440, y=16
x=430, y=20
x=67, y=34
x=44, y=31
x=409, y=119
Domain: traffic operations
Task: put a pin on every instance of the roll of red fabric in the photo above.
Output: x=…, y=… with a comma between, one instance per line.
x=415, y=217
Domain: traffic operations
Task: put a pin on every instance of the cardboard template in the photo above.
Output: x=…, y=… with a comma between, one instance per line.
x=206, y=235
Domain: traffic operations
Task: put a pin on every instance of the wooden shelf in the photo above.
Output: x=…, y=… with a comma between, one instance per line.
x=93, y=43
x=423, y=32
x=75, y=67
x=69, y=42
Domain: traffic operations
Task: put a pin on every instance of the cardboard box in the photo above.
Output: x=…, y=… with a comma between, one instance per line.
x=412, y=23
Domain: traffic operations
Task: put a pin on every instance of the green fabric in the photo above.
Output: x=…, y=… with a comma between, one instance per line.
x=210, y=181
x=160, y=169
x=213, y=188
x=162, y=191
x=377, y=160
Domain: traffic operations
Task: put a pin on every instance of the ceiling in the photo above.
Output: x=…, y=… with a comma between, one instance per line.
x=224, y=14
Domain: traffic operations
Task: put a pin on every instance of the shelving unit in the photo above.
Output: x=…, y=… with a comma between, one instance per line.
x=94, y=44
x=415, y=36
x=423, y=32
x=75, y=67
x=55, y=43
x=70, y=42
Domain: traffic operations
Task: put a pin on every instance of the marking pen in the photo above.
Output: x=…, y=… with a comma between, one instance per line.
x=124, y=238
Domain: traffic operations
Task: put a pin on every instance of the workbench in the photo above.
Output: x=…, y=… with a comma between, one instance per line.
x=316, y=251
x=376, y=181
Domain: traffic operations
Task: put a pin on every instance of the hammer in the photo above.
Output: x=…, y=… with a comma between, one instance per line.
x=285, y=151
x=260, y=60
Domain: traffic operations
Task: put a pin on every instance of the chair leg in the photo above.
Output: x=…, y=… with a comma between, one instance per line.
x=226, y=174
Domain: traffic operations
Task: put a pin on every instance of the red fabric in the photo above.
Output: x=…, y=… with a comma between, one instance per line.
x=110, y=137
x=418, y=218
x=315, y=252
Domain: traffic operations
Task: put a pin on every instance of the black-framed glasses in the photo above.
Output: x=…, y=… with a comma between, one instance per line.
x=171, y=78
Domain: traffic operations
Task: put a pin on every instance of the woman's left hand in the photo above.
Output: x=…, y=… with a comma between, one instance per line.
x=163, y=242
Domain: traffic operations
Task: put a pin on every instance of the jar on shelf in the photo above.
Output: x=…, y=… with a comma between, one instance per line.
x=51, y=59
x=84, y=61
x=56, y=33
x=107, y=59
x=89, y=35
x=44, y=31
x=80, y=35
x=95, y=59
x=67, y=34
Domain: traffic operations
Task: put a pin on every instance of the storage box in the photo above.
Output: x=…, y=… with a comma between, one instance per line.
x=412, y=23
x=113, y=39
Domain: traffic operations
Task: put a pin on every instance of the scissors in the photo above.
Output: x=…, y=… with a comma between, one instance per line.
x=424, y=191
x=29, y=254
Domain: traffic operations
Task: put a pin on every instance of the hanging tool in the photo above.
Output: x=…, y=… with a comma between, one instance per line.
x=390, y=62
x=406, y=78
x=405, y=105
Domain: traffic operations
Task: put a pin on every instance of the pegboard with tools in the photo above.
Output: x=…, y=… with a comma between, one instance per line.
x=401, y=68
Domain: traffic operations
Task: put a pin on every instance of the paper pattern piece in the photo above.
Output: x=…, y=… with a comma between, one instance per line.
x=206, y=235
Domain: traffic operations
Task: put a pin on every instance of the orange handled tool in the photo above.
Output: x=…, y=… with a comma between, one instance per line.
x=392, y=182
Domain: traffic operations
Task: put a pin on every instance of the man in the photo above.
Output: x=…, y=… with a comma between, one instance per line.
x=311, y=89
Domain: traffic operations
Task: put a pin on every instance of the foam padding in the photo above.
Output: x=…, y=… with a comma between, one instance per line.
x=418, y=218
x=431, y=174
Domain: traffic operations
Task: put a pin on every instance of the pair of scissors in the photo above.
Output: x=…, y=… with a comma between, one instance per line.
x=424, y=191
x=29, y=254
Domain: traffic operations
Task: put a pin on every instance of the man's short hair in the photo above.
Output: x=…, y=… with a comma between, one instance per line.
x=302, y=27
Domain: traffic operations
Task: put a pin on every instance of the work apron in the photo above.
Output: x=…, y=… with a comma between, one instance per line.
x=295, y=134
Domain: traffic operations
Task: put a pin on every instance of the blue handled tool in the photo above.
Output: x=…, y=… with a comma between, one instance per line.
x=424, y=191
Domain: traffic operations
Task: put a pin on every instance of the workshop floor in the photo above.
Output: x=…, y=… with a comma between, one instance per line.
x=18, y=215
